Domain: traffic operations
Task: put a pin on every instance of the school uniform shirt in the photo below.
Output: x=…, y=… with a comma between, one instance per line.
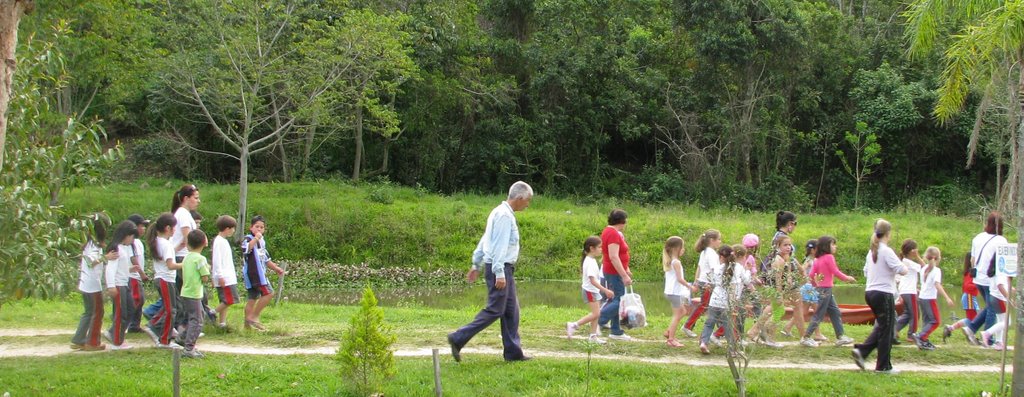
x=907, y=283
x=185, y=219
x=165, y=251
x=254, y=262
x=1000, y=279
x=117, y=270
x=740, y=279
x=983, y=247
x=881, y=273
x=707, y=265
x=223, y=265
x=672, y=285
x=928, y=290
x=140, y=253
x=193, y=268
x=610, y=236
x=91, y=272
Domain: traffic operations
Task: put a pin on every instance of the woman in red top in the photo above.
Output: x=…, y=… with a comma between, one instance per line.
x=617, y=276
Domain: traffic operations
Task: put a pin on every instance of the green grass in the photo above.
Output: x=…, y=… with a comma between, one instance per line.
x=340, y=223
x=148, y=372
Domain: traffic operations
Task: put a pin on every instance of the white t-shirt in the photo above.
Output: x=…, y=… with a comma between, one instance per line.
x=1000, y=279
x=223, y=265
x=672, y=285
x=707, y=265
x=907, y=283
x=140, y=253
x=983, y=258
x=740, y=279
x=590, y=269
x=165, y=251
x=185, y=219
x=89, y=276
x=117, y=270
x=928, y=290
x=881, y=274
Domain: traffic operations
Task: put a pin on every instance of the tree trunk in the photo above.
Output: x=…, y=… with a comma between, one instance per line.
x=1017, y=388
x=358, y=162
x=10, y=14
x=307, y=149
x=243, y=190
x=285, y=168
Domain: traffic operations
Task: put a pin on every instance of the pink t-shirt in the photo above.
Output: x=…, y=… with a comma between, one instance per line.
x=751, y=264
x=825, y=265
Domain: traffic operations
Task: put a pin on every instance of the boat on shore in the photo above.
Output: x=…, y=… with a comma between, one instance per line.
x=851, y=314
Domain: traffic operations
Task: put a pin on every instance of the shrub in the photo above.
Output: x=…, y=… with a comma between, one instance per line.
x=381, y=192
x=320, y=274
x=365, y=352
x=947, y=199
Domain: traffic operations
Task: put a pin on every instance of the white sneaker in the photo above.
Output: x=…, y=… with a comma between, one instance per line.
x=123, y=346
x=844, y=340
x=808, y=342
x=106, y=335
x=689, y=333
x=152, y=335
x=596, y=339
x=771, y=344
x=622, y=337
x=715, y=340
x=174, y=332
x=570, y=329
x=172, y=345
x=201, y=334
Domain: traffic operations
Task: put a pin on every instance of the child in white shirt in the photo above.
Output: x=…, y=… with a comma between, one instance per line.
x=225, y=279
x=591, y=290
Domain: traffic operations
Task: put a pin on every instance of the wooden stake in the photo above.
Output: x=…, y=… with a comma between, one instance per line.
x=177, y=372
x=437, y=374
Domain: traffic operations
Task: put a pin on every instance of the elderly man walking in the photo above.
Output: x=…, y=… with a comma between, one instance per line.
x=497, y=253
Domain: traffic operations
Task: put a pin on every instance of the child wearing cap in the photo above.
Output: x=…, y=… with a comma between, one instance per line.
x=137, y=275
x=223, y=272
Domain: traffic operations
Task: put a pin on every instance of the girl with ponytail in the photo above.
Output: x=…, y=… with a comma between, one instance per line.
x=677, y=289
x=707, y=264
x=881, y=267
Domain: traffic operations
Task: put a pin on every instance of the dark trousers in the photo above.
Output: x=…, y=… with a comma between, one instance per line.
x=138, y=300
x=502, y=305
x=610, y=311
x=119, y=314
x=88, y=332
x=194, y=319
x=883, y=306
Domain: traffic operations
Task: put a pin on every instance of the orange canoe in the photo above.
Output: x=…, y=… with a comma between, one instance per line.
x=851, y=314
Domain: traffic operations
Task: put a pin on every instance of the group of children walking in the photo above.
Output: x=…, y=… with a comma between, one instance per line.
x=731, y=282
x=173, y=244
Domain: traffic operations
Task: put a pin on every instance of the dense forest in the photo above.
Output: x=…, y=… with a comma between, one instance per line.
x=755, y=104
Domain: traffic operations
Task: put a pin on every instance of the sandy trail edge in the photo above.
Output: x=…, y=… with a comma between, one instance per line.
x=50, y=350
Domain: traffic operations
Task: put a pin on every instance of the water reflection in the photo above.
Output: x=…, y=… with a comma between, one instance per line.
x=544, y=292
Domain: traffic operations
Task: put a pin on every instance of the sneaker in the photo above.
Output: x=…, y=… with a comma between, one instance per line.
x=223, y=326
x=786, y=333
x=858, y=358
x=170, y=345
x=772, y=344
x=201, y=334
x=998, y=346
x=106, y=335
x=152, y=335
x=704, y=349
x=926, y=345
x=174, y=333
x=123, y=346
x=594, y=338
x=193, y=353
x=821, y=338
x=947, y=331
x=844, y=340
x=890, y=371
x=715, y=340
x=94, y=348
x=451, y=342
x=970, y=336
x=986, y=339
x=570, y=329
x=808, y=342
x=75, y=346
x=689, y=333
x=622, y=337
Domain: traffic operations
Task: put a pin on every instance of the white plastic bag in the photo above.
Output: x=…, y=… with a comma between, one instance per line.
x=631, y=310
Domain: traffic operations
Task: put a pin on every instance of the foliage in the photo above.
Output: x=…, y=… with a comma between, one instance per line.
x=950, y=199
x=320, y=274
x=365, y=352
x=866, y=156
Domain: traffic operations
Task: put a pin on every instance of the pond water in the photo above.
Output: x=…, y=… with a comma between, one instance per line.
x=549, y=293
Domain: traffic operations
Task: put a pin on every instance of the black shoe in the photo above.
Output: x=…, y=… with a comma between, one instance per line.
x=455, y=350
x=896, y=341
x=523, y=358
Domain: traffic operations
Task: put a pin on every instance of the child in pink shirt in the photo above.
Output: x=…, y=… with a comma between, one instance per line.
x=822, y=274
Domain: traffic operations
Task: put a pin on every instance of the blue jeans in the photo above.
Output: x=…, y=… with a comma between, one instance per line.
x=610, y=311
x=826, y=304
x=986, y=317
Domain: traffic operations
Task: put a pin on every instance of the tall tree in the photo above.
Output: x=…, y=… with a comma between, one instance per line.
x=989, y=36
x=11, y=12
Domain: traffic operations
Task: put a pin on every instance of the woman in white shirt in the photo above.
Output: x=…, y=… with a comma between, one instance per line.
x=881, y=267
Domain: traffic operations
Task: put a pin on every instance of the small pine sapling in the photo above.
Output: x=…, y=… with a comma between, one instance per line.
x=365, y=352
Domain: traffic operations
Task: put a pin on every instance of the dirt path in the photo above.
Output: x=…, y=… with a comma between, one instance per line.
x=50, y=350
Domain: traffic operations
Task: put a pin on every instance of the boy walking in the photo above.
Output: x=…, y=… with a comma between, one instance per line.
x=194, y=272
x=224, y=277
x=255, y=260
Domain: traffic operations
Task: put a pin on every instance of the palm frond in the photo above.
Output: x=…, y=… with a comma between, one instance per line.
x=924, y=19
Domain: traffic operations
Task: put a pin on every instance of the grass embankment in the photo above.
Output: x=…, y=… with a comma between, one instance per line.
x=349, y=224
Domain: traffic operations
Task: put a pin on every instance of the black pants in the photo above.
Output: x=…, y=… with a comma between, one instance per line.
x=882, y=305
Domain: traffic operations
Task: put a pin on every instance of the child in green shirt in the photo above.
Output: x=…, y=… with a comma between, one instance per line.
x=195, y=271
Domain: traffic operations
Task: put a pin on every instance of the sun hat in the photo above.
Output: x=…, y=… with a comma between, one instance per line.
x=751, y=240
